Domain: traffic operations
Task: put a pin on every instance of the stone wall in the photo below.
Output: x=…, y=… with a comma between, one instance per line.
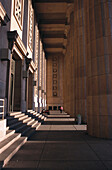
x=54, y=81
x=88, y=87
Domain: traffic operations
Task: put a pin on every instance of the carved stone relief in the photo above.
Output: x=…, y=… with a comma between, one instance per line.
x=30, y=31
x=18, y=12
x=55, y=76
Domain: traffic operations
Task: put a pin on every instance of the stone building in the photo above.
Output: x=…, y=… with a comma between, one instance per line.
x=22, y=58
x=58, y=53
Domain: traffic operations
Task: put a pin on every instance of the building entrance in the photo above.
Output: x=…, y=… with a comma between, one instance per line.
x=30, y=91
x=12, y=85
x=15, y=86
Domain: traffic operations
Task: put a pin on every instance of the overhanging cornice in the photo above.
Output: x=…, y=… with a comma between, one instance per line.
x=15, y=43
x=52, y=1
x=3, y=15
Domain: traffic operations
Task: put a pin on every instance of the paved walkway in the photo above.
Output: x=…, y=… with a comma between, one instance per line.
x=59, y=144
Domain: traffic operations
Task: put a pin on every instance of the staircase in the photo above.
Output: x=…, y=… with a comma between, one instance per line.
x=57, y=114
x=10, y=145
x=37, y=116
x=20, y=127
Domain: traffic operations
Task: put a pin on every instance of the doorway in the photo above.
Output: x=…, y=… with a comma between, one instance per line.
x=30, y=91
x=12, y=80
x=15, y=86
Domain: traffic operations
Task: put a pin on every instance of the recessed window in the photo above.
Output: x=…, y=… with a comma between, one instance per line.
x=54, y=107
x=54, y=75
x=54, y=81
x=54, y=87
x=55, y=70
x=54, y=94
x=50, y=107
x=59, y=107
x=54, y=59
x=54, y=64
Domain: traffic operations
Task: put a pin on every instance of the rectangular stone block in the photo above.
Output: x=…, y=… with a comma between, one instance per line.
x=2, y=129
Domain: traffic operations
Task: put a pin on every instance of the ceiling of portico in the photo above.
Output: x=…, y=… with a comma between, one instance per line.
x=53, y=22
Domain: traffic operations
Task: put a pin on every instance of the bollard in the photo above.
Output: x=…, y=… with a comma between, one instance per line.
x=79, y=119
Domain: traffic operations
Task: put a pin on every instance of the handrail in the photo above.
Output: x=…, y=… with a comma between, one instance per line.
x=2, y=113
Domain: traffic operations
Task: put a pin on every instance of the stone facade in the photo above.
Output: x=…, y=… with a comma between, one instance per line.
x=59, y=54
x=19, y=61
x=55, y=81
x=92, y=66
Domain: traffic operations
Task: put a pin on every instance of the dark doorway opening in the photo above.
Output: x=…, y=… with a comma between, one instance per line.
x=50, y=107
x=54, y=107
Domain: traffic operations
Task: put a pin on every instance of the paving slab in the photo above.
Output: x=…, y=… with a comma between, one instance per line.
x=22, y=164
x=103, y=150
x=61, y=144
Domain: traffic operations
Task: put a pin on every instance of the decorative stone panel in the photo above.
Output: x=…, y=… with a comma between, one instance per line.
x=30, y=30
x=55, y=76
x=18, y=12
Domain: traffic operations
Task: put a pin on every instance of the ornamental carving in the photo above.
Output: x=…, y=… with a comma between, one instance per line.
x=18, y=11
x=55, y=76
x=30, y=31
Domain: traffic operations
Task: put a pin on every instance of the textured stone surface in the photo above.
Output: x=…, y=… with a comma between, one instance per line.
x=64, y=146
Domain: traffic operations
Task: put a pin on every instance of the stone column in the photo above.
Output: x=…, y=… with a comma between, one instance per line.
x=80, y=60
x=36, y=54
x=43, y=80
x=40, y=77
x=39, y=88
x=69, y=77
x=43, y=58
x=98, y=16
x=45, y=86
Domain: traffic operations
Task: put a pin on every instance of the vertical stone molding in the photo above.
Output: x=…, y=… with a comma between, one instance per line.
x=31, y=23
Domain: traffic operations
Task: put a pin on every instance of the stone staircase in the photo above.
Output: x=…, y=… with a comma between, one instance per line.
x=57, y=114
x=10, y=145
x=37, y=116
x=20, y=127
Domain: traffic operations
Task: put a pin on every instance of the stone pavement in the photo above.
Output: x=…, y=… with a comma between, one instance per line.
x=60, y=144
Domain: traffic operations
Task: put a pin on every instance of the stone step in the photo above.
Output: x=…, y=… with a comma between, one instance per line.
x=45, y=118
x=31, y=121
x=18, y=127
x=34, y=123
x=37, y=126
x=7, y=128
x=9, y=133
x=40, y=116
x=37, y=114
x=11, y=121
x=34, y=113
x=19, y=115
x=27, y=120
x=8, y=141
x=24, y=130
x=29, y=133
x=23, y=117
x=14, y=113
x=15, y=124
x=30, y=110
x=58, y=116
x=10, y=151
